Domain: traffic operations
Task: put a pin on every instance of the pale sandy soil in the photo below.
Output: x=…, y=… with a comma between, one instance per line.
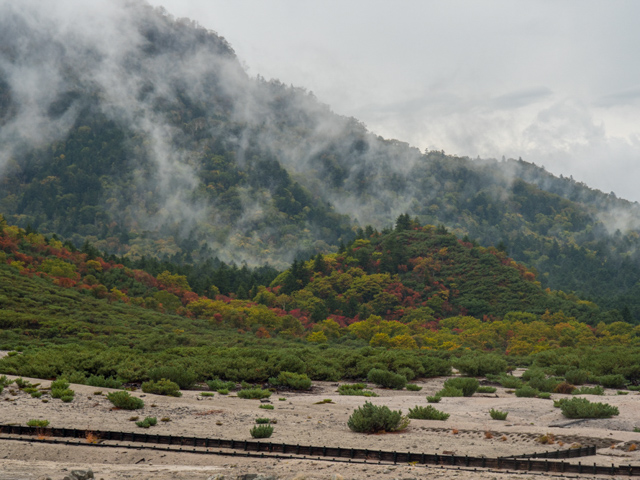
x=301, y=421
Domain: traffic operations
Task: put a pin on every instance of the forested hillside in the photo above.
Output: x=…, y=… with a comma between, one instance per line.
x=148, y=139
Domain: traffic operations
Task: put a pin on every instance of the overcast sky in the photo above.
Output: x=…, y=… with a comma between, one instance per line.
x=554, y=82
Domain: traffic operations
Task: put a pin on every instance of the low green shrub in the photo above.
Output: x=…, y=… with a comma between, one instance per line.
x=576, y=376
x=434, y=398
x=223, y=391
x=543, y=384
x=125, y=401
x=509, y=381
x=254, y=393
x=261, y=421
x=467, y=385
x=147, y=422
x=597, y=390
x=498, y=415
x=635, y=388
x=480, y=365
x=67, y=398
x=59, y=393
x=450, y=392
x=184, y=377
x=372, y=418
x=38, y=423
x=162, y=387
x=412, y=387
x=60, y=384
x=544, y=395
x=427, y=413
x=351, y=386
x=612, y=381
x=216, y=385
x=296, y=381
x=526, y=391
x=267, y=406
x=207, y=394
x=583, y=408
x=102, y=382
x=261, y=431
x=533, y=373
x=386, y=379
x=358, y=393
x=485, y=389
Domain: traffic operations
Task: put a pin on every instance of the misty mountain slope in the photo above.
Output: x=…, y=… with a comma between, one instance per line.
x=143, y=134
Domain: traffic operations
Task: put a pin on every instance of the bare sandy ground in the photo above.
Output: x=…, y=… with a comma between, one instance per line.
x=301, y=421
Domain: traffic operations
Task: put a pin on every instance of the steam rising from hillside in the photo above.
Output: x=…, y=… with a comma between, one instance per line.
x=139, y=67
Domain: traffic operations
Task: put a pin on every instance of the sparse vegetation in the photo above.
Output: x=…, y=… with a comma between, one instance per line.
x=263, y=420
x=412, y=387
x=435, y=398
x=266, y=406
x=597, y=390
x=527, y=392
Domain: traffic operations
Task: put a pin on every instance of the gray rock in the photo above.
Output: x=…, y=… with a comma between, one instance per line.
x=265, y=400
x=82, y=474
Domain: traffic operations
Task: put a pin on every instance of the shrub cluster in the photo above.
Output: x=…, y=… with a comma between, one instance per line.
x=296, y=381
x=162, y=387
x=102, y=382
x=147, y=422
x=427, y=413
x=254, y=393
x=184, y=377
x=371, y=418
x=526, y=391
x=216, y=385
x=387, y=379
x=467, y=385
x=575, y=376
x=583, y=408
x=612, y=381
x=125, y=401
x=481, y=365
x=60, y=389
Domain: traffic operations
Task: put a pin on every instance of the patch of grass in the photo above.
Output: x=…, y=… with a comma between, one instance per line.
x=261, y=431
x=387, y=379
x=321, y=402
x=216, y=385
x=412, y=387
x=147, y=422
x=434, y=399
x=544, y=395
x=449, y=391
x=38, y=423
x=267, y=406
x=509, y=381
x=427, y=413
x=498, y=415
x=263, y=420
x=207, y=394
